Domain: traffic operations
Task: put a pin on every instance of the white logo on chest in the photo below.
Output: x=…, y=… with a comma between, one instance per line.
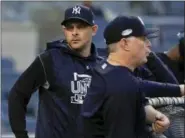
x=79, y=87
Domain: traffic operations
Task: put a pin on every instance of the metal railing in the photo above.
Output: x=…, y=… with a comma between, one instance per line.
x=13, y=136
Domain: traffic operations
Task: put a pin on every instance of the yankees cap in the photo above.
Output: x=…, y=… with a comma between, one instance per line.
x=126, y=26
x=79, y=12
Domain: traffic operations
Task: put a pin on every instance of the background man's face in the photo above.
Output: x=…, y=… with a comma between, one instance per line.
x=140, y=49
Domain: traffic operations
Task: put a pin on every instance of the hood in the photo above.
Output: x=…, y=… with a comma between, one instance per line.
x=62, y=44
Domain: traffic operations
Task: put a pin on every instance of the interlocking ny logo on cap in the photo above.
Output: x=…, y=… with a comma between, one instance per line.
x=76, y=10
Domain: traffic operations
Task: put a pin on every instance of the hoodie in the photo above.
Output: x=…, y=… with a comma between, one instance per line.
x=60, y=75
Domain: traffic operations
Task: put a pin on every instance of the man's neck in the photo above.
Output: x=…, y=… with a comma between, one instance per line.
x=116, y=60
x=86, y=51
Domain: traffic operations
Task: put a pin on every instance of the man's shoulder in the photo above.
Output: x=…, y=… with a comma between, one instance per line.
x=102, y=67
x=48, y=53
x=112, y=73
x=56, y=44
x=52, y=47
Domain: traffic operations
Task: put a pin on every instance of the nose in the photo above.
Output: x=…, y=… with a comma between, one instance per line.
x=148, y=43
x=75, y=31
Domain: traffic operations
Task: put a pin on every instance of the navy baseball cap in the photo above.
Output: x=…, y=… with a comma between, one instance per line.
x=126, y=26
x=80, y=13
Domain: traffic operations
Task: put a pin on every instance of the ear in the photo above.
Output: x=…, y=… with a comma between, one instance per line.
x=124, y=44
x=94, y=29
x=63, y=29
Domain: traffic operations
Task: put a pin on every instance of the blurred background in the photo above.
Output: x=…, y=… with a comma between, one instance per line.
x=28, y=26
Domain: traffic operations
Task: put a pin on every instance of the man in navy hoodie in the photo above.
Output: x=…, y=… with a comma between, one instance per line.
x=61, y=77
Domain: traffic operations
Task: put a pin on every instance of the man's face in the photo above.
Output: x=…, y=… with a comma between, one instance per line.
x=78, y=34
x=140, y=49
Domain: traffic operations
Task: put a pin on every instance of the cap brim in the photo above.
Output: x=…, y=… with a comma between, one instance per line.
x=75, y=18
x=152, y=32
